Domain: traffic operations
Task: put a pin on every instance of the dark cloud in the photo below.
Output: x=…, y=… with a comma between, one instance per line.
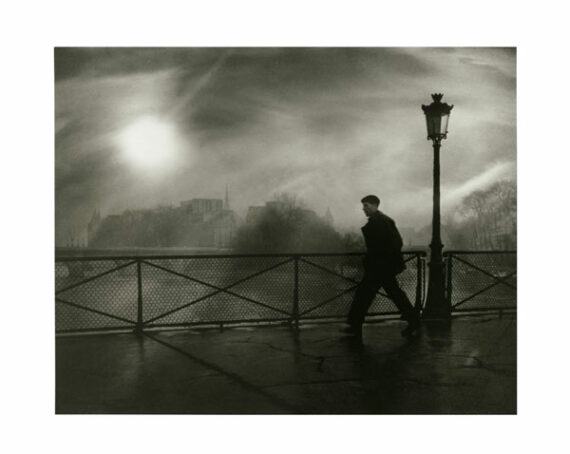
x=250, y=80
x=111, y=61
x=326, y=123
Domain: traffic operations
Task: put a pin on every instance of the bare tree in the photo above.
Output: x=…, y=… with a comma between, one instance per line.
x=490, y=216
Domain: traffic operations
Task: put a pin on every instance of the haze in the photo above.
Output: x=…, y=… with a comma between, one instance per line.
x=327, y=124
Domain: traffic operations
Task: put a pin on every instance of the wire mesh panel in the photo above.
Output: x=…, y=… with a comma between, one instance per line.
x=482, y=280
x=121, y=292
x=225, y=289
x=95, y=294
x=326, y=285
x=71, y=272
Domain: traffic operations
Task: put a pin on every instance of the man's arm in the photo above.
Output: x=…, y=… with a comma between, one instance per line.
x=398, y=242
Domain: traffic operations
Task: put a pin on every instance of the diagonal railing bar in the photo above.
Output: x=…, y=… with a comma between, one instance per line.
x=490, y=286
x=218, y=290
x=251, y=276
x=328, y=270
x=184, y=306
x=207, y=284
x=344, y=292
x=334, y=273
x=88, y=309
x=485, y=271
x=202, y=298
x=353, y=281
x=92, y=278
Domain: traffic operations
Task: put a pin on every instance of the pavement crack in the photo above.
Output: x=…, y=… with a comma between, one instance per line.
x=246, y=341
x=430, y=383
x=319, y=358
x=286, y=350
x=315, y=382
x=326, y=339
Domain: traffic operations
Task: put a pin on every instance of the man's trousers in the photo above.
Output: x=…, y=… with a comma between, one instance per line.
x=366, y=291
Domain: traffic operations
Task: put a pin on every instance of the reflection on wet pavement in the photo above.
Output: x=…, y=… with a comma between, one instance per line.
x=468, y=366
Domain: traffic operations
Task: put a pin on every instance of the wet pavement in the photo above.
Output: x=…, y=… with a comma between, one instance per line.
x=468, y=367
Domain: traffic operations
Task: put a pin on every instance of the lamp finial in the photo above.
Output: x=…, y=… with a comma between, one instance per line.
x=437, y=97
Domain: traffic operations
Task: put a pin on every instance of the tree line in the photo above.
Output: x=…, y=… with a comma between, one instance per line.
x=287, y=226
x=485, y=219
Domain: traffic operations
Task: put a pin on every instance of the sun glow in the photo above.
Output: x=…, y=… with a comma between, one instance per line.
x=150, y=143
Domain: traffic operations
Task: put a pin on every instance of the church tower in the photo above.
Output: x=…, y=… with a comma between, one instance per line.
x=93, y=225
x=227, y=199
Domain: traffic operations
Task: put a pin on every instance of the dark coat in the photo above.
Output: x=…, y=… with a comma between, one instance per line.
x=383, y=245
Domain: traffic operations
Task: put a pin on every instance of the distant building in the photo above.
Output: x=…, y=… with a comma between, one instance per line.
x=201, y=206
x=255, y=212
x=227, y=199
x=194, y=223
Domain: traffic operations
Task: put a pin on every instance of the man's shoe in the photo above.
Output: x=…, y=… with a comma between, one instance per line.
x=352, y=330
x=413, y=326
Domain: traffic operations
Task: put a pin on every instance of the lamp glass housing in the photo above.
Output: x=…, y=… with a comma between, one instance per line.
x=437, y=125
x=437, y=117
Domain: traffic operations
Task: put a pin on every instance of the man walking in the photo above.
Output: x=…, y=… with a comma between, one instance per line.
x=382, y=262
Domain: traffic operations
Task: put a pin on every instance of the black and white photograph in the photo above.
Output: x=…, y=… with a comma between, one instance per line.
x=284, y=227
x=272, y=230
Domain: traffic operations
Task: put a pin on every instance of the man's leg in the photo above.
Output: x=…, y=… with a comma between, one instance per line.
x=363, y=297
x=402, y=302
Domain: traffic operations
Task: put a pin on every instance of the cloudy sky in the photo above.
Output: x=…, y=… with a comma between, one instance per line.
x=136, y=128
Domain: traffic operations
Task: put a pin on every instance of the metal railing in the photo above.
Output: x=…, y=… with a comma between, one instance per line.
x=481, y=280
x=138, y=292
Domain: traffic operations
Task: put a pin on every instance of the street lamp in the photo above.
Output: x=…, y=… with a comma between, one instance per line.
x=437, y=119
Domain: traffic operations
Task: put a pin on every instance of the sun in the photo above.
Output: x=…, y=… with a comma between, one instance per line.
x=149, y=143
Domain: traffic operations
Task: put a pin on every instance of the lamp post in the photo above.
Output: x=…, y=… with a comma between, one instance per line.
x=437, y=119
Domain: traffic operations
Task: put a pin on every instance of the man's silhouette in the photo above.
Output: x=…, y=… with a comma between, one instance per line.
x=382, y=262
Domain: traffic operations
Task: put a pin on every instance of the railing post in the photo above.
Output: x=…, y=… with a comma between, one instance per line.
x=449, y=277
x=419, y=283
x=295, y=314
x=139, y=326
